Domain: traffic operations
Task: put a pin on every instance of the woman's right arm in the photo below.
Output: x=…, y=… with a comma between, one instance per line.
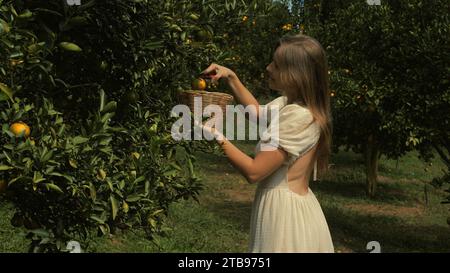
x=241, y=93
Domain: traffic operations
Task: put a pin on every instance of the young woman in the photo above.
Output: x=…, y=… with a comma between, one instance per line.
x=286, y=216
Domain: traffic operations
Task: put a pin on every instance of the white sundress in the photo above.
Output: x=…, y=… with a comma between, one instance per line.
x=282, y=220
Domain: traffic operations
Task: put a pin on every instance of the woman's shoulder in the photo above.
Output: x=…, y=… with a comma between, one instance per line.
x=279, y=101
x=296, y=110
x=293, y=112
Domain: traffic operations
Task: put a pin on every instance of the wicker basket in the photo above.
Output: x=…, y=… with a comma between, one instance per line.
x=208, y=98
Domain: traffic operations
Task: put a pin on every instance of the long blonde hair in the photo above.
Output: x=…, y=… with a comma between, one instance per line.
x=303, y=66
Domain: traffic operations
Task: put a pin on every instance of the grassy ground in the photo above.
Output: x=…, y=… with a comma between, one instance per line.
x=406, y=215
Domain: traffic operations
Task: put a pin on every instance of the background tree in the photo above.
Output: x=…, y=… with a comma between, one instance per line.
x=389, y=77
x=95, y=83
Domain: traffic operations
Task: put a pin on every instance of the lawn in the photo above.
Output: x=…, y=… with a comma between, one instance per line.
x=405, y=216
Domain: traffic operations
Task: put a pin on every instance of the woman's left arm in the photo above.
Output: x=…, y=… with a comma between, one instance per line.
x=253, y=169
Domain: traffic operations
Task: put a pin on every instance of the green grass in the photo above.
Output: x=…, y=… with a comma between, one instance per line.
x=405, y=216
x=11, y=239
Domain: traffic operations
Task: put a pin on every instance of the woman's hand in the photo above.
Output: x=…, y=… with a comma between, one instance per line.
x=240, y=92
x=216, y=72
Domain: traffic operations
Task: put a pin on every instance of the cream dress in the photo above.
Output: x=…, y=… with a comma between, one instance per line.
x=282, y=220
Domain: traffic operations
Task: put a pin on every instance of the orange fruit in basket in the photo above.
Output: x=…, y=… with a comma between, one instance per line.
x=198, y=84
x=20, y=127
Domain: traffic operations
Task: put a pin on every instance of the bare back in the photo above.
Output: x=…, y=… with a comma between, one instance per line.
x=300, y=171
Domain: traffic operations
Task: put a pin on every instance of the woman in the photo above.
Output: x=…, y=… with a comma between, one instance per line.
x=286, y=216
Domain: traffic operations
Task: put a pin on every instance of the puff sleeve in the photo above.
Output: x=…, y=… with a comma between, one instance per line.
x=293, y=130
x=277, y=103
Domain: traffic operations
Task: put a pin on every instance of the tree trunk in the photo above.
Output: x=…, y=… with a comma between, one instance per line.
x=444, y=157
x=372, y=152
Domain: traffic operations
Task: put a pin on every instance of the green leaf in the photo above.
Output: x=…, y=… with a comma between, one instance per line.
x=7, y=43
x=67, y=177
x=98, y=219
x=73, y=163
x=178, y=186
x=104, y=140
x=136, y=155
x=9, y=146
x=102, y=99
x=147, y=187
x=70, y=46
x=125, y=207
x=176, y=27
x=53, y=112
x=139, y=179
x=121, y=184
x=5, y=168
x=26, y=14
x=92, y=191
x=153, y=45
x=13, y=10
x=170, y=173
x=190, y=166
x=111, y=187
x=175, y=165
x=61, y=129
x=4, y=27
x=211, y=7
x=152, y=222
x=156, y=212
x=106, y=117
x=47, y=156
x=78, y=140
x=37, y=177
x=15, y=55
x=114, y=206
x=194, y=16
x=109, y=107
x=54, y=187
x=133, y=198
x=101, y=174
x=104, y=229
x=3, y=97
x=7, y=91
x=87, y=149
x=17, y=179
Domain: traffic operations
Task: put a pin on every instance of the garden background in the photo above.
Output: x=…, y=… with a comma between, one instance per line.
x=95, y=83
